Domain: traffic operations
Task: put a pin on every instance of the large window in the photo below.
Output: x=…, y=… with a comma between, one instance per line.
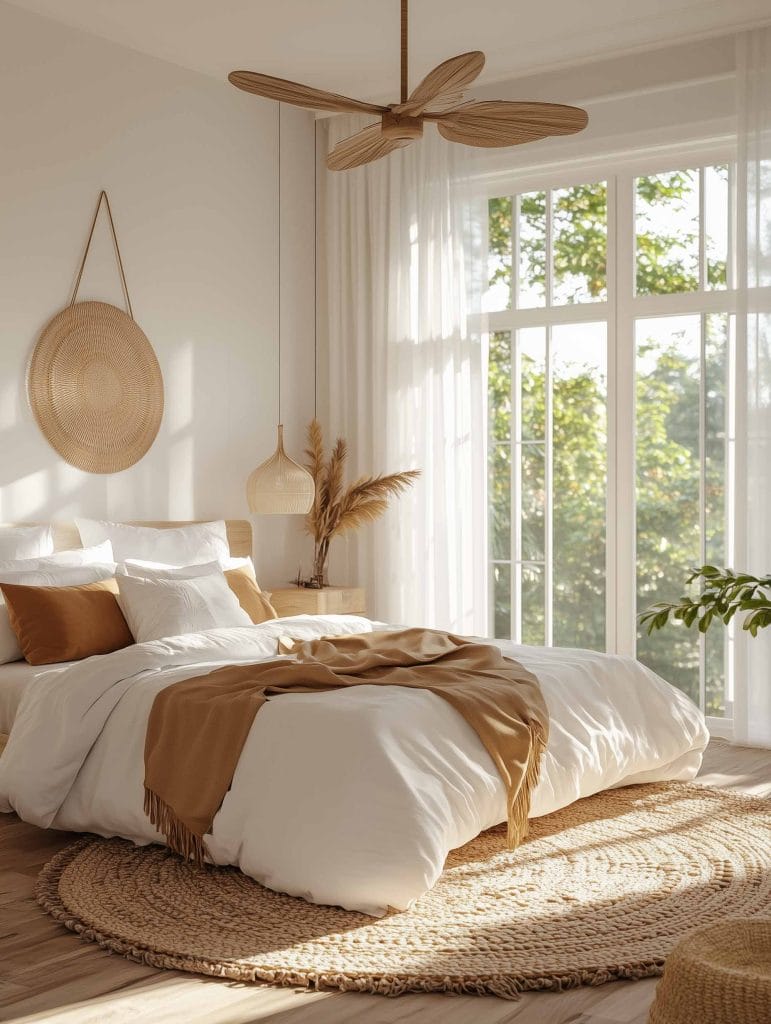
x=609, y=308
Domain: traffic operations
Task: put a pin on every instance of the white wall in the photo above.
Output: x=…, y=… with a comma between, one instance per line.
x=191, y=168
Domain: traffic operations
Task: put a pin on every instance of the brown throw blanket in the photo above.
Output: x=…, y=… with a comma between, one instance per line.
x=198, y=727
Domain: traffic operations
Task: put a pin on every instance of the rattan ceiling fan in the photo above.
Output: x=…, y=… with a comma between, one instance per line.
x=487, y=123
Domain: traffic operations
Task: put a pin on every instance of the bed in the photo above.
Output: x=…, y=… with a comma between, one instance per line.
x=13, y=679
x=352, y=797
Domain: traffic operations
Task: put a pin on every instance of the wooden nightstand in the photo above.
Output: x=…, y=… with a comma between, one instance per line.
x=329, y=601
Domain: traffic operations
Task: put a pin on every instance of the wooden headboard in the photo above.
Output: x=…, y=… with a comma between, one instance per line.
x=66, y=535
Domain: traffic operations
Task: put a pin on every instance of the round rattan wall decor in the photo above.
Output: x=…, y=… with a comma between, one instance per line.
x=95, y=387
x=94, y=382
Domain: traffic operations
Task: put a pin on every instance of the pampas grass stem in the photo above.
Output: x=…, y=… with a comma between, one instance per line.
x=337, y=509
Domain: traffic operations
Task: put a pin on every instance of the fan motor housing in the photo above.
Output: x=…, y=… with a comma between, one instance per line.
x=402, y=126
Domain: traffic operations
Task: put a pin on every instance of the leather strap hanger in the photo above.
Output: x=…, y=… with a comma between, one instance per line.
x=103, y=196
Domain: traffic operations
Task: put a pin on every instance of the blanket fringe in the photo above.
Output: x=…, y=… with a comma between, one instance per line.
x=519, y=801
x=179, y=837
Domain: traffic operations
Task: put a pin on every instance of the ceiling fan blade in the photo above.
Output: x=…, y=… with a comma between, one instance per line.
x=451, y=76
x=507, y=123
x=299, y=95
x=361, y=148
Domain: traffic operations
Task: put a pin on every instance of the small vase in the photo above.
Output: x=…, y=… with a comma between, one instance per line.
x=319, y=578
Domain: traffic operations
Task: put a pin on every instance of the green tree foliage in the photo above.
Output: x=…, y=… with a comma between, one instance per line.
x=667, y=425
x=579, y=475
x=579, y=216
x=663, y=267
x=722, y=593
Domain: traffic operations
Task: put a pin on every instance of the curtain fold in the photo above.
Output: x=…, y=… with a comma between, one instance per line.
x=407, y=376
x=752, y=683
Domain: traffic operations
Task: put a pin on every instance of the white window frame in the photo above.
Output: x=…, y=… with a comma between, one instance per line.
x=621, y=311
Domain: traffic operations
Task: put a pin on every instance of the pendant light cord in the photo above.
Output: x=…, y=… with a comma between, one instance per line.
x=404, y=55
x=315, y=270
x=279, y=263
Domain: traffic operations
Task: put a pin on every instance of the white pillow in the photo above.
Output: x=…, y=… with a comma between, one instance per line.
x=66, y=576
x=159, y=608
x=164, y=571
x=161, y=571
x=178, y=545
x=26, y=542
x=59, y=575
x=100, y=554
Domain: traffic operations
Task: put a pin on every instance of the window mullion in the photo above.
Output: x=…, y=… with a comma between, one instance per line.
x=548, y=497
x=624, y=419
x=548, y=569
x=514, y=278
x=730, y=269
x=549, y=256
x=702, y=232
x=515, y=455
x=730, y=509
x=611, y=515
x=702, y=490
x=685, y=303
x=740, y=432
x=516, y=486
x=508, y=319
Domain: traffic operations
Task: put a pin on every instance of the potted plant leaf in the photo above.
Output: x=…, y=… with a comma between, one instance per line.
x=723, y=593
x=337, y=508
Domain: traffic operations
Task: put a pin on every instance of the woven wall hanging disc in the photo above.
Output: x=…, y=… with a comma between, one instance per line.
x=95, y=387
x=94, y=382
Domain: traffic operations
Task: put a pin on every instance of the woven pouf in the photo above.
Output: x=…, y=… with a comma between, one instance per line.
x=719, y=974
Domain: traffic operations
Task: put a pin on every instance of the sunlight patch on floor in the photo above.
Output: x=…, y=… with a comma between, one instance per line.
x=173, y=998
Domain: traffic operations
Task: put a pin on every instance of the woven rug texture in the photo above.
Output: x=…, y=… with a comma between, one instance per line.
x=601, y=890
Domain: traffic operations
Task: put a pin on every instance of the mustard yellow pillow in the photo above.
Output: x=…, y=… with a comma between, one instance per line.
x=254, y=601
x=54, y=624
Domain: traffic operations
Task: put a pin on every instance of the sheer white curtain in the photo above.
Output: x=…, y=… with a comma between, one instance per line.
x=407, y=376
x=752, y=703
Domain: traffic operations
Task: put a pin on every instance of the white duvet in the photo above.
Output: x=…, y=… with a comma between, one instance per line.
x=351, y=797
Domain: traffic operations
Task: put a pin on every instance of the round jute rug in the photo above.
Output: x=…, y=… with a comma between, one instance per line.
x=601, y=890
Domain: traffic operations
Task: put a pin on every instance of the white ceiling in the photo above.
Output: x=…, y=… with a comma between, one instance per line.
x=352, y=46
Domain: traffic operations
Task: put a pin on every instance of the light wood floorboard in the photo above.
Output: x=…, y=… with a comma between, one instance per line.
x=48, y=975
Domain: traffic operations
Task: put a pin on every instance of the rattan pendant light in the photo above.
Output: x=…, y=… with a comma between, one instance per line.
x=280, y=486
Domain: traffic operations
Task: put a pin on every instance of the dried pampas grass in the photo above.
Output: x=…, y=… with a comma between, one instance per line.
x=337, y=508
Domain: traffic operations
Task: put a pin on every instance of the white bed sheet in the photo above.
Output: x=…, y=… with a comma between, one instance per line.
x=14, y=677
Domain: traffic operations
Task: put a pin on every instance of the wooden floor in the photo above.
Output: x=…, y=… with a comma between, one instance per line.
x=47, y=974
